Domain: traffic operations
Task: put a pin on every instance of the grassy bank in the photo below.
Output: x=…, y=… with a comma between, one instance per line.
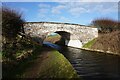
x=51, y=64
x=106, y=42
x=89, y=44
x=44, y=63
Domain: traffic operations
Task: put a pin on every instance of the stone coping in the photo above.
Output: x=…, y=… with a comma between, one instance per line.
x=60, y=23
x=101, y=51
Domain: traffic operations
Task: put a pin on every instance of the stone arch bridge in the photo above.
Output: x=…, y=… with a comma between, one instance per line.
x=75, y=35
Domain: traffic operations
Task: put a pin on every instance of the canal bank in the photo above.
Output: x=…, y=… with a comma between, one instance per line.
x=100, y=51
x=96, y=46
x=46, y=64
x=105, y=43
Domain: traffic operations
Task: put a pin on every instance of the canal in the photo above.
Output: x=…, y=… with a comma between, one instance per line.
x=92, y=65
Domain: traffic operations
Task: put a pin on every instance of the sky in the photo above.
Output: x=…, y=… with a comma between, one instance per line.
x=66, y=12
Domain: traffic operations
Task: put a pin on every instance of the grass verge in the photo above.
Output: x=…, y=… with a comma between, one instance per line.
x=53, y=65
x=60, y=66
x=89, y=44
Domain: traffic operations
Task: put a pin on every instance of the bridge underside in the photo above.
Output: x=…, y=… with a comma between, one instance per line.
x=74, y=43
x=67, y=40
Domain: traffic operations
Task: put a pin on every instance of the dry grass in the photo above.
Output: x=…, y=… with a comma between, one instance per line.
x=108, y=42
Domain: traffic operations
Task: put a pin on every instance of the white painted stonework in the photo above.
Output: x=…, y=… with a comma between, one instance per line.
x=74, y=43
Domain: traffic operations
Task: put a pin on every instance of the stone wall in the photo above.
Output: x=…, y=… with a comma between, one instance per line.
x=78, y=32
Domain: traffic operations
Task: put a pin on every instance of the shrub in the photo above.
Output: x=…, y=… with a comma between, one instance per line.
x=106, y=25
x=12, y=25
x=118, y=25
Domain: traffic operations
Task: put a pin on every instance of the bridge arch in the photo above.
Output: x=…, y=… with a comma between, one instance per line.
x=65, y=37
x=68, y=39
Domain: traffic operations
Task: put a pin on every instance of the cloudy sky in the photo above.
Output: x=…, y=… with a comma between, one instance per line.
x=68, y=12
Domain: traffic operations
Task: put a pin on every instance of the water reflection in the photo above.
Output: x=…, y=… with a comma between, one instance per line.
x=55, y=46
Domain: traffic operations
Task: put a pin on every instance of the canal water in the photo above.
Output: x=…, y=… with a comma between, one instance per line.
x=93, y=65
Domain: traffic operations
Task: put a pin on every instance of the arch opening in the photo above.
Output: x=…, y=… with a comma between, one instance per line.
x=65, y=37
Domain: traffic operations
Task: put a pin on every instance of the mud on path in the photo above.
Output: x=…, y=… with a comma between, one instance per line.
x=37, y=65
